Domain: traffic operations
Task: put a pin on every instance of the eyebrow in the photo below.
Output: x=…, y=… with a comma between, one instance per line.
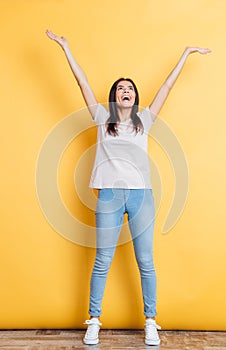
x=124, y=85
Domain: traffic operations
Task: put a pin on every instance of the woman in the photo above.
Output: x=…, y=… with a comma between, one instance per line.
x=121, y=175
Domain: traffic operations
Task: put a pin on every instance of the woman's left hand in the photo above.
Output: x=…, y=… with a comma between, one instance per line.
x=197, y=49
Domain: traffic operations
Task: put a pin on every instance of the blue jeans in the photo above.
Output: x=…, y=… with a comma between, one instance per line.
x=111, y=206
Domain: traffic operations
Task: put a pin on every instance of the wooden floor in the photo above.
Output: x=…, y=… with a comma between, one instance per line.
x=109, y=339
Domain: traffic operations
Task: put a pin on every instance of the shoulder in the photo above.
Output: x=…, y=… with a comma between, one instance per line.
x=101, y=114
x=144, y=112
x=146, y=117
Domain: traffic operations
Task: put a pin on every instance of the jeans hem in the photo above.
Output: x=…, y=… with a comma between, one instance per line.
x=94, y=314
x=150, y=315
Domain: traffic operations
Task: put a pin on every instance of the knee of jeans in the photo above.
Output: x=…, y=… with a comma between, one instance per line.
x=103, y=262
x=145, y=264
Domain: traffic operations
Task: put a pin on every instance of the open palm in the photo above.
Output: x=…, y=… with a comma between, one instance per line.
x=60, y=40
x=199, y=49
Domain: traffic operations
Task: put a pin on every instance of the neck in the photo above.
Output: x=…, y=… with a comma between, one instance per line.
x=124, y=113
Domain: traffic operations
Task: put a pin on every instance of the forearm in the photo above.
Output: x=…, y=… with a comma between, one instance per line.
x=76, y=69
x=79, y=74
x=171, y=79
x=82, y=81
x=163, y=92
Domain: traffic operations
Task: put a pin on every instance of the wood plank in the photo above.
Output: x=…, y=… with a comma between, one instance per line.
x=109, y=339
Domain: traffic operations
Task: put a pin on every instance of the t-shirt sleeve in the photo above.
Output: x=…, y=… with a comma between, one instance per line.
x=101, y=115
x=147, y=119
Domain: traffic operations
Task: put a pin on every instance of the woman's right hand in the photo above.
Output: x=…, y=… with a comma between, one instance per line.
x=60, y=40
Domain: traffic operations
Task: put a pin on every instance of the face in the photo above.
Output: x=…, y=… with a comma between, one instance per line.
x=125, y=94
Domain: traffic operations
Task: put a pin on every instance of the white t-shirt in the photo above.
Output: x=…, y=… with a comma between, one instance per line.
x=121, y=161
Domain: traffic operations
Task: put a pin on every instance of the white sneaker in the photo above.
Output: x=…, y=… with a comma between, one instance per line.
x=91, y=336
x=151, y=334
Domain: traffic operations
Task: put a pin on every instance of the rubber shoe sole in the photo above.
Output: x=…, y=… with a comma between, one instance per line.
x=152, y=342
x=91, y=341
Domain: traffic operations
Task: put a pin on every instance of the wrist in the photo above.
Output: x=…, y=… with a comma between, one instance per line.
x=188, y=50
x=65, y=47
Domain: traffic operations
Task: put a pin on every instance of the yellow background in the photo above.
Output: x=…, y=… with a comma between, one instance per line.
x=45, y=277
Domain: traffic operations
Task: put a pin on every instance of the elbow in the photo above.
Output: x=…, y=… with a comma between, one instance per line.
x=167, y=86
x=82, y=82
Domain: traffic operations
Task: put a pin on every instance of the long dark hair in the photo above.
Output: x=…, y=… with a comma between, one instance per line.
x=113, y=120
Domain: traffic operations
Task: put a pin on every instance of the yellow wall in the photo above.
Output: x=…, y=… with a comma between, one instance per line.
x=44, y=275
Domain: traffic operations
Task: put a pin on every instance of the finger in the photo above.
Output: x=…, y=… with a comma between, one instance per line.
x=206, y=51
x=49, y=33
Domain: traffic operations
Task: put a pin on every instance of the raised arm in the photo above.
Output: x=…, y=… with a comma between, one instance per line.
x=79, y=74
x=164, y=90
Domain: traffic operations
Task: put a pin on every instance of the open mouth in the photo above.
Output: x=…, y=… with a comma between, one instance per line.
x=126, y=98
